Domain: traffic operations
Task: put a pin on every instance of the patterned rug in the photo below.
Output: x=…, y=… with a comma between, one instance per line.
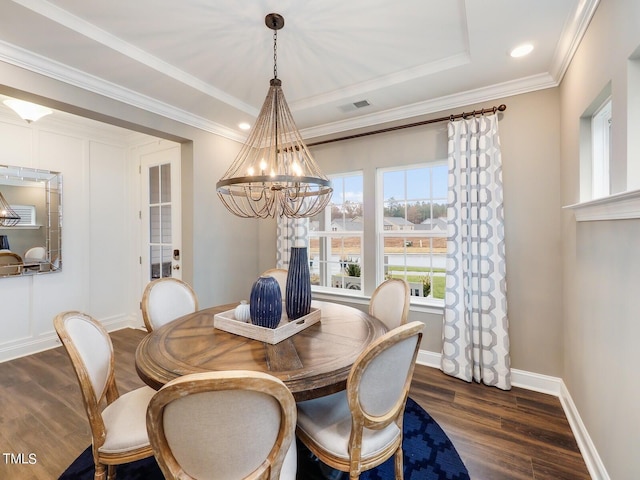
x=428, y=455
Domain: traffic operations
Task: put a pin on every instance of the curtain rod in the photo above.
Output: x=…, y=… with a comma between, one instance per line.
x=501, y=108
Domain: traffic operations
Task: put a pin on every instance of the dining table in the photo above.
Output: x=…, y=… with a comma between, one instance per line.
x=313, y=362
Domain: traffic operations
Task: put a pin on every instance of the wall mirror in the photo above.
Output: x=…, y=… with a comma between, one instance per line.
x=33, y=245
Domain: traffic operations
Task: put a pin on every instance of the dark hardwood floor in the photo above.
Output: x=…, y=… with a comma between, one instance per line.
x=499, y=435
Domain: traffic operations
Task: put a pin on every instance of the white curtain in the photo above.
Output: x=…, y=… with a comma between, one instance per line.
x=291, y=232
x=476, y=328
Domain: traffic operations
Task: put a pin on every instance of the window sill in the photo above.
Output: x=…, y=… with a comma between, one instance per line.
x=435, y=307
x=21, y=227
x=621, y=206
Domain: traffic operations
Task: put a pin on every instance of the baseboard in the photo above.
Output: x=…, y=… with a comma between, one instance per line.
x=28, y=346
x=551, y=386
x=590, y=455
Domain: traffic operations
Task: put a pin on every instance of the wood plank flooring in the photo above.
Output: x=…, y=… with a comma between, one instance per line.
x=499, y=435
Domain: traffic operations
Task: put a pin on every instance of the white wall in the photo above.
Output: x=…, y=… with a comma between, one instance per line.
x=97, y=266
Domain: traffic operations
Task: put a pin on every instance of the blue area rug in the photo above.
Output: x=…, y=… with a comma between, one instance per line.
x=428, y=455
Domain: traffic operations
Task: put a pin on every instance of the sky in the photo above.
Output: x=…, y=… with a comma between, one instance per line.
x=424, y=183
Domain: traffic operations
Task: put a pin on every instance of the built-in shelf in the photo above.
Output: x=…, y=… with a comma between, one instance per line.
x=621, y=206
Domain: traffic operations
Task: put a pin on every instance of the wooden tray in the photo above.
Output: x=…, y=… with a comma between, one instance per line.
x=227, y=321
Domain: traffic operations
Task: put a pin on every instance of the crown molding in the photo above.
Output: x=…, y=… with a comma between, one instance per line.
x=493, y=92
x=89, y=30
x=360, y=89
x=44, y=66
x=572, y=33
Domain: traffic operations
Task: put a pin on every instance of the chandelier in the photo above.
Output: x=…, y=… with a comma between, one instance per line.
x=8, y=216
x=274, y=174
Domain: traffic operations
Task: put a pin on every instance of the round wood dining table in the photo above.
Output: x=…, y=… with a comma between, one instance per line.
x=312, y=363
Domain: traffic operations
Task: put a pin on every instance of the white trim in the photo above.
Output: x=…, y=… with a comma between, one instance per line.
x=28, y=346
x=24, y=59
x=362, y=88
x=620, y=206
x=572, y=35
x=552, y=386
x=590, y=455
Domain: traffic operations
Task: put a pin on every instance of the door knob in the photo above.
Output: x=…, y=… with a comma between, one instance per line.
x=176, y=267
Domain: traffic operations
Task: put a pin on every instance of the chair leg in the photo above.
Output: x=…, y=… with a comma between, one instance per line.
x=399, y=464
x=101, y=472
x=111, y=472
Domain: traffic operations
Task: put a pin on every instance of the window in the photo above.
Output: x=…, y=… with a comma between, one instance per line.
x=27, y=214
x=601, y=150
x=335, y=237
x=412, y=227
x=596, y=161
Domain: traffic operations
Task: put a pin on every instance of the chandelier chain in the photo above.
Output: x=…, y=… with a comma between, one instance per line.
x=275, y=54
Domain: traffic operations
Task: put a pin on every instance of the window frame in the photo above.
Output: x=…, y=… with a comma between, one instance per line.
x=601, y=151
x=327, y=235
x=381, y=233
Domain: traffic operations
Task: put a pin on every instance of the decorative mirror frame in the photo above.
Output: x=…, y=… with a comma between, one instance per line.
x=51, y=184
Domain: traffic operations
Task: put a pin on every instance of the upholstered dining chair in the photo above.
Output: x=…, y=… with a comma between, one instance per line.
x=118, y=431
x=280, y=274
x=361, y=427
x=226, y=424
x=37, y=254
x=390, y=302
x=166, y=299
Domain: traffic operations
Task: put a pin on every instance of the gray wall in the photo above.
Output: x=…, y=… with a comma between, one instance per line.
x=602, y=259
x=529, y=131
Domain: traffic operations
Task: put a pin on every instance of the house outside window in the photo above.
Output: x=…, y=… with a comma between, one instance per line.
x=335, y=237
x=411, y=214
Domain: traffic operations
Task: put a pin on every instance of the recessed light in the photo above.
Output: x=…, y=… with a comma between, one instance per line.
x=244, y=126
x=522, y=50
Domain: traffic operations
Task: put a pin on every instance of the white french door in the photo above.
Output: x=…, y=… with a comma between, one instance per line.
x=161, y=224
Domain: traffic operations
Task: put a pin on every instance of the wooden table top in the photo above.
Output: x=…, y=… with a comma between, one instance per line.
x=312, y=363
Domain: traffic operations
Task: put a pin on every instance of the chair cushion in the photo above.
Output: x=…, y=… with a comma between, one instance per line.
x=327, y=420
x=290, y=464
x=125, y=421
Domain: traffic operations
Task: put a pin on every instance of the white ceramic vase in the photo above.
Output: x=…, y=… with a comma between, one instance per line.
x=242, y=312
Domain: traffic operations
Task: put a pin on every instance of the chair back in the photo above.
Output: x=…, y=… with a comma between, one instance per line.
x=91, y=352
x=280, y=274
x=379, y=381
x=36, y=253
x=166, y=299
x=390, y=302
x=227, y=424
x=10, y=263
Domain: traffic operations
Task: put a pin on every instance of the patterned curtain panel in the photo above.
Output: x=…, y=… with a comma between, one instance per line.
x=291, y=232
x=475, y=333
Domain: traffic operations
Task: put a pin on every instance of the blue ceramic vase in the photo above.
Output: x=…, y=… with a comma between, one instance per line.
x=265, y=303
x=298, y=297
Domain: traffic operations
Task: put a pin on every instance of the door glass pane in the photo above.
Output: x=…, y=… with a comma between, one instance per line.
x=165, y=190
x=154, y=185
x=154, y=224
x=166, y=261
x=166, y=223
x=154, y=255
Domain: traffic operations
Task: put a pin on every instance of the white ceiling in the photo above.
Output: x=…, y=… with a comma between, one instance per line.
x=208, y=63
